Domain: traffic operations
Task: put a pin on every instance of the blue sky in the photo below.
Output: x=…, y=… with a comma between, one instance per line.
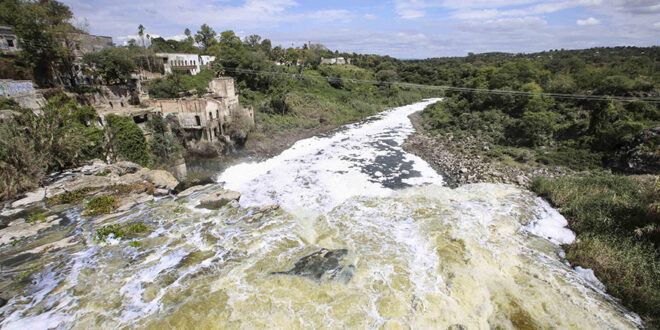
x=400, y=28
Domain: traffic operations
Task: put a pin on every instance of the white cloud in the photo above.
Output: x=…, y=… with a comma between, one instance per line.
x=370, y=17
x=588, y=21
x=411, y=9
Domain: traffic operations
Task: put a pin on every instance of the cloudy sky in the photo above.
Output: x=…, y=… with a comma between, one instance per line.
x=400, y=28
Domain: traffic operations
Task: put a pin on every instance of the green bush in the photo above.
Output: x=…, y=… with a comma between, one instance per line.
x=126, y=140
x=32, y=145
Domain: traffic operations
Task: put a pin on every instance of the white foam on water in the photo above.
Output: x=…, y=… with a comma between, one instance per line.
x=319, y=173
x=550, y=224
x=589, y=276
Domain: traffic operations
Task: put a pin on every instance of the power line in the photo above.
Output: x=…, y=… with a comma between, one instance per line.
x=454, y=88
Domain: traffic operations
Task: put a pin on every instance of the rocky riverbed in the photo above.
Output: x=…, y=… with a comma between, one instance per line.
x=463, y=161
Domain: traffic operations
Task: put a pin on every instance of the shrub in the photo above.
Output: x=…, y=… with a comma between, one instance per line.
x=164, y=88
x=125, y=140
x=600, y=203
x=629, y=269
x=32, y=145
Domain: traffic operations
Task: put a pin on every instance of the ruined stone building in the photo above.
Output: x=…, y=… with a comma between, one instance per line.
x=209, y=118
x=191, y=62
x=8, y=40
x=217, y=116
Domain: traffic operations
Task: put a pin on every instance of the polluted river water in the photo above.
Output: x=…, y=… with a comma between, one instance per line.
x=366, y=236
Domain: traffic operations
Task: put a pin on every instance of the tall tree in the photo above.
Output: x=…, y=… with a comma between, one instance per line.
x=41, y=28
x=252, y=41
x=205, y=37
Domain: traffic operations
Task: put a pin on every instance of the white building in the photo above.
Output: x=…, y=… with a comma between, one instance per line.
x=190, y=62
x=335, y=61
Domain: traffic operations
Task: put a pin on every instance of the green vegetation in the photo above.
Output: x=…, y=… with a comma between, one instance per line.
x=579, y=134
x=101, y=205
x=70, y=197
x=121, y=231
x=32, y=145
x=126, y=140
x=180, y=83
x=164, y=146
x=37, y=217
x=617, y=222
x=41, y=27
x=113, y=65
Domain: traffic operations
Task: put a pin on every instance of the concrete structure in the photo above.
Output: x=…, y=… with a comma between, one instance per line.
x=206, y=60
x=8, y=40
x=23, y=92
x=190, y=62
x=335, y=61
x=207, y=118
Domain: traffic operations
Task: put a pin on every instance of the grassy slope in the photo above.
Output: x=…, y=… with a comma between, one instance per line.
x=618, y=226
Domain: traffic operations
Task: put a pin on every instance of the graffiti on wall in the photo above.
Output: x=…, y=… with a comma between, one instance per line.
x=12, y=88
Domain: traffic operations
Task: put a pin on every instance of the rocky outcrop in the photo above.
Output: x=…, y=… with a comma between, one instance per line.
x=322, y=264
x=642, y=155
x=219, y=199
x=97, y=175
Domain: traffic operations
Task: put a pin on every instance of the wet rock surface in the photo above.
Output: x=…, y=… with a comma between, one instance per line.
x=461, y=161
x=322, y=264
x=128, y=182
x=219, y=199
x=257, y=215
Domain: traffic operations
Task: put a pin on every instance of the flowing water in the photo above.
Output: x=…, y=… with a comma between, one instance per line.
x=419, y=255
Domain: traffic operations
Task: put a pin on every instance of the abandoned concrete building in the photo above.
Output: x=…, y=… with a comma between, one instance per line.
x=209, y=118
x=8, y=40
x=191, y=62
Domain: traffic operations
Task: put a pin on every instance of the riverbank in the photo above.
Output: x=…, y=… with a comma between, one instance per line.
x=616, y=217
x=465, y=161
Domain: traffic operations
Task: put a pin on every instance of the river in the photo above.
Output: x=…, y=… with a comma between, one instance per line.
x=415, y=253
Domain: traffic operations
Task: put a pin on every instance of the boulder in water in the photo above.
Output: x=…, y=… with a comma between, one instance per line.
x=322, y=262
x=219, y=199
